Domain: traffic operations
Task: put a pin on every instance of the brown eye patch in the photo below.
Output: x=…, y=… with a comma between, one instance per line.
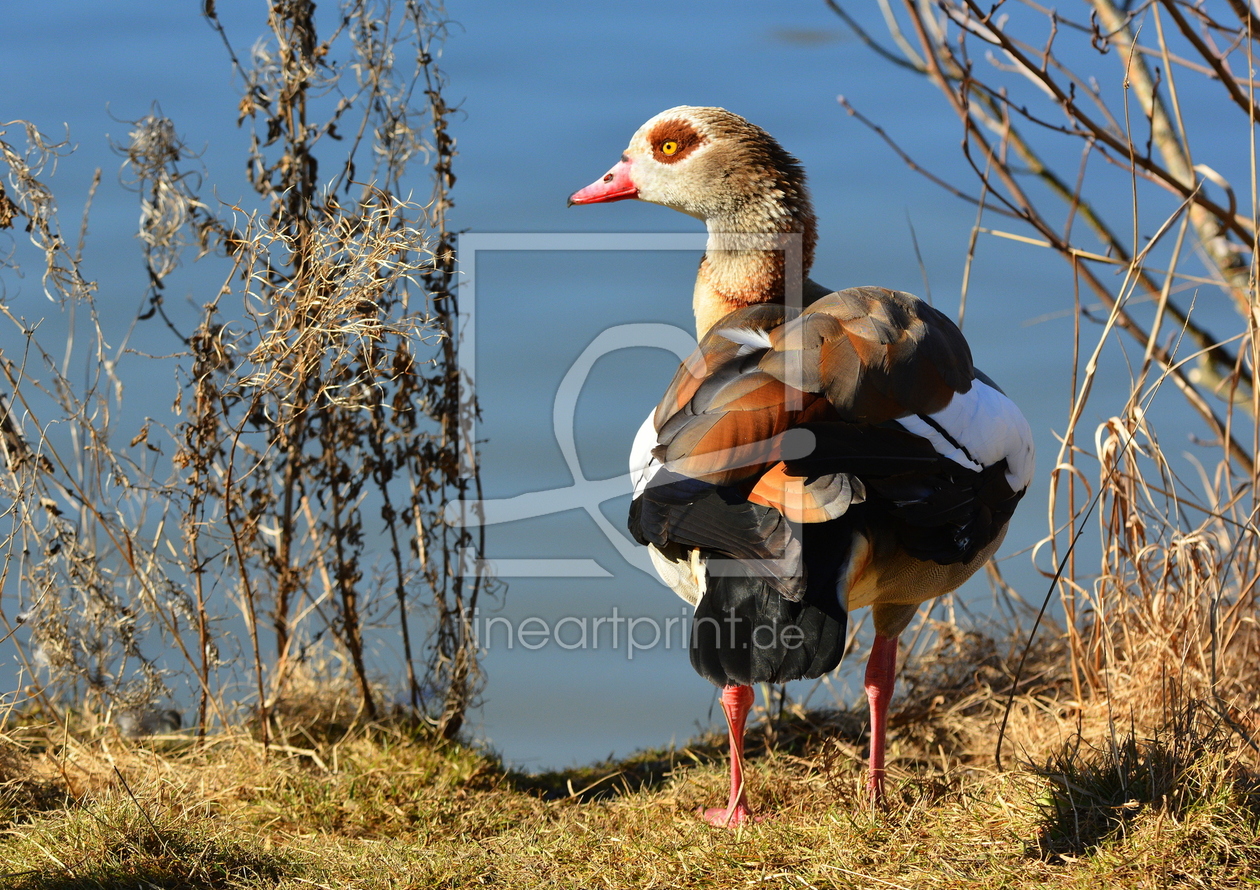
x=672, y=141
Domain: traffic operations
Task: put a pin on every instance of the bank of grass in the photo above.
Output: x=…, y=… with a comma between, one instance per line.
x=1086, y=801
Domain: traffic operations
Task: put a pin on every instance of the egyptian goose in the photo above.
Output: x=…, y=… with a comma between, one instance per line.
x=803, y=462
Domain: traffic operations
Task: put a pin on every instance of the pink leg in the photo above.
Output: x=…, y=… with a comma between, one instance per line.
x=736, y=701
x=881, y=674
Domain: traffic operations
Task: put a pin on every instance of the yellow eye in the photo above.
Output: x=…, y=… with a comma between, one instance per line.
x=669, y=147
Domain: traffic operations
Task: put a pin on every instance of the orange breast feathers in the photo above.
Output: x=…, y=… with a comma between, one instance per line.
x=862, y=356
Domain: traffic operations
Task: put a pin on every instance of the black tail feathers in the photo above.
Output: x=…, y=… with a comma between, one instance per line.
x=744, y=633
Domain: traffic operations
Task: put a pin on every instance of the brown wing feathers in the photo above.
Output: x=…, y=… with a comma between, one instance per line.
x=721, y=418
x=895, y=356
x=863, y=355
x=714, y=352
x=736, y=435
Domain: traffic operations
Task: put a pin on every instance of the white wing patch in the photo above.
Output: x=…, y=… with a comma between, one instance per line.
x=683, y=571
x=749, y=339
x=980, y=427
x=643, y=465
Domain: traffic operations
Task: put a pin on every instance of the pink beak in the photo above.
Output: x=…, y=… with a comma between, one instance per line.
x=615, y=185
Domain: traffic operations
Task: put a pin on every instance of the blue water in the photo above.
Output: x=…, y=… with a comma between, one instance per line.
x=549, y=93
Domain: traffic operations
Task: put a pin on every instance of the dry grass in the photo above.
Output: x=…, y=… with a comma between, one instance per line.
x=391, y=805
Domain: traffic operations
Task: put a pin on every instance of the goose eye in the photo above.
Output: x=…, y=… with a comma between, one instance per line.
x=668, y=147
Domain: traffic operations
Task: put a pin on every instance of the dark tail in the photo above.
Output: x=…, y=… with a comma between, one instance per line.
x=745, y=633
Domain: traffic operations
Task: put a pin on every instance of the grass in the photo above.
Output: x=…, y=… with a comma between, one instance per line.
x=389, y=805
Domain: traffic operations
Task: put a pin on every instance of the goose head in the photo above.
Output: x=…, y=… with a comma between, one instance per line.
x=718, y=167
x=713, y=165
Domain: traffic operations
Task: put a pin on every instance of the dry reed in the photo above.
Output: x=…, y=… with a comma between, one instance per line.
x=1171, y=604
x=316, y=426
